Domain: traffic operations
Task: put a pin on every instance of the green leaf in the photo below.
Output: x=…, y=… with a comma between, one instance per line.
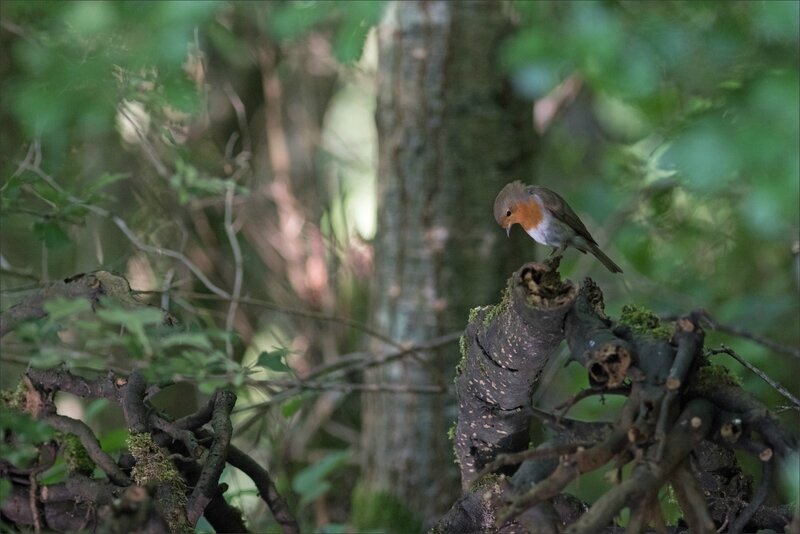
x=291, y=406
x=134, y=320
x=49, y=356
x=210, y=386
x=358, y=17
x=5, y=489
x=274, y=360
x=124, y=316
x=315, y=492
x=51, y=234
x=105, y=180
x=94, y=408
x=61, y=307
x=56, y=474
x=27, y=433
x=194, y=339
x=291, y=20
x=706, y=156
x=310, y=482
x=114, y=440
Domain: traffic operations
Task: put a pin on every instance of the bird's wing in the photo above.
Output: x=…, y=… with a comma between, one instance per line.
x=561, y=210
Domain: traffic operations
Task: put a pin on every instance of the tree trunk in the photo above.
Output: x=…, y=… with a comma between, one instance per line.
x=450, y=135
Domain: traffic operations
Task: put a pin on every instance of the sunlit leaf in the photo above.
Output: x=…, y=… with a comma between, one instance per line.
x=274, y=360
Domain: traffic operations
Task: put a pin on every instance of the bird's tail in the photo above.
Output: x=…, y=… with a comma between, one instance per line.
x=586, y=246
x=605, y=260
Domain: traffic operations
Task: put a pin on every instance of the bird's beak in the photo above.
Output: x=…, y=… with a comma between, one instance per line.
x=508, y=230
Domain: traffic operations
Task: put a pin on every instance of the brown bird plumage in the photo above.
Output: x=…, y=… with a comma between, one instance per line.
x=548, y=219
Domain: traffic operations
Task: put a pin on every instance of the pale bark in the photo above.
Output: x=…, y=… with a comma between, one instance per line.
x=450, y=135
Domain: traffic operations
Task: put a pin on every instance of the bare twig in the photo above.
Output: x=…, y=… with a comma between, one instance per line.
x=724, y=349
x=241, y=117
x=503, y=460
x=170, y=274
x=360, y=361
x=237, y=261
x=206, y=486
x=89, y=441
x=147, y=147
x=348, y=387
x=691, y=500
x=567, y=405
x=132, y=237
x=301, y=313
x=756, y=338
x=37, y=519
x=19, y=274
x=758, y=498
x=266, y=488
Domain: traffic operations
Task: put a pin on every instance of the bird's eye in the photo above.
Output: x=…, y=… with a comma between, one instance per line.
x=508, y=213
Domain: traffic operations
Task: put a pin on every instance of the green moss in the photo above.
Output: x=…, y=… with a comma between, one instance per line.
x=462, y=349
x=451, y=432
x=75, y=455
x=380, y=510
x=153, y=468
x=473, y=313
x=15, y=398
x=486, y=482
x=492, y=312
x=711, y=377
x=672, y=497
x=643, y=321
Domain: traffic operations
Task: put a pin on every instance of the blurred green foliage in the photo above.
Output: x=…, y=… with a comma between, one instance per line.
x=28, y=433
x=694, y=145
x=311, y=483
x=681, y=150
x=79, y=59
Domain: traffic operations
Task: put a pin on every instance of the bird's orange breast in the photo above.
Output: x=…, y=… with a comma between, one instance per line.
x=529, y=215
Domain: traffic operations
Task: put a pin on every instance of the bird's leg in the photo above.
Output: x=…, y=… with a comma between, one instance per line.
x=554, y=259
x=557, y=252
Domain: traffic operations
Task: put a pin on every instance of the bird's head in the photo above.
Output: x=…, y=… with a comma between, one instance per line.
x=510, y=205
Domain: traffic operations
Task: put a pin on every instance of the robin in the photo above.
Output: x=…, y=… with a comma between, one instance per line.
x=548, y=219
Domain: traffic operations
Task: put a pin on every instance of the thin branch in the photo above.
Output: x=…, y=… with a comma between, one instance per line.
x=724, y=349
x=89, y=441
x=503, y=460
x=348, y=387
x=170, y=274
x=147, y=147
x=10, y=271
x=266, y=488
x=567, y=405
x=691, y=500
x=241, y=118
x=758, y=498
x=132, y=237
x=756, y=338
x=37, y=519
x=237, y=261
x=360, y=363
x=297, y=312
x=206, y=487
